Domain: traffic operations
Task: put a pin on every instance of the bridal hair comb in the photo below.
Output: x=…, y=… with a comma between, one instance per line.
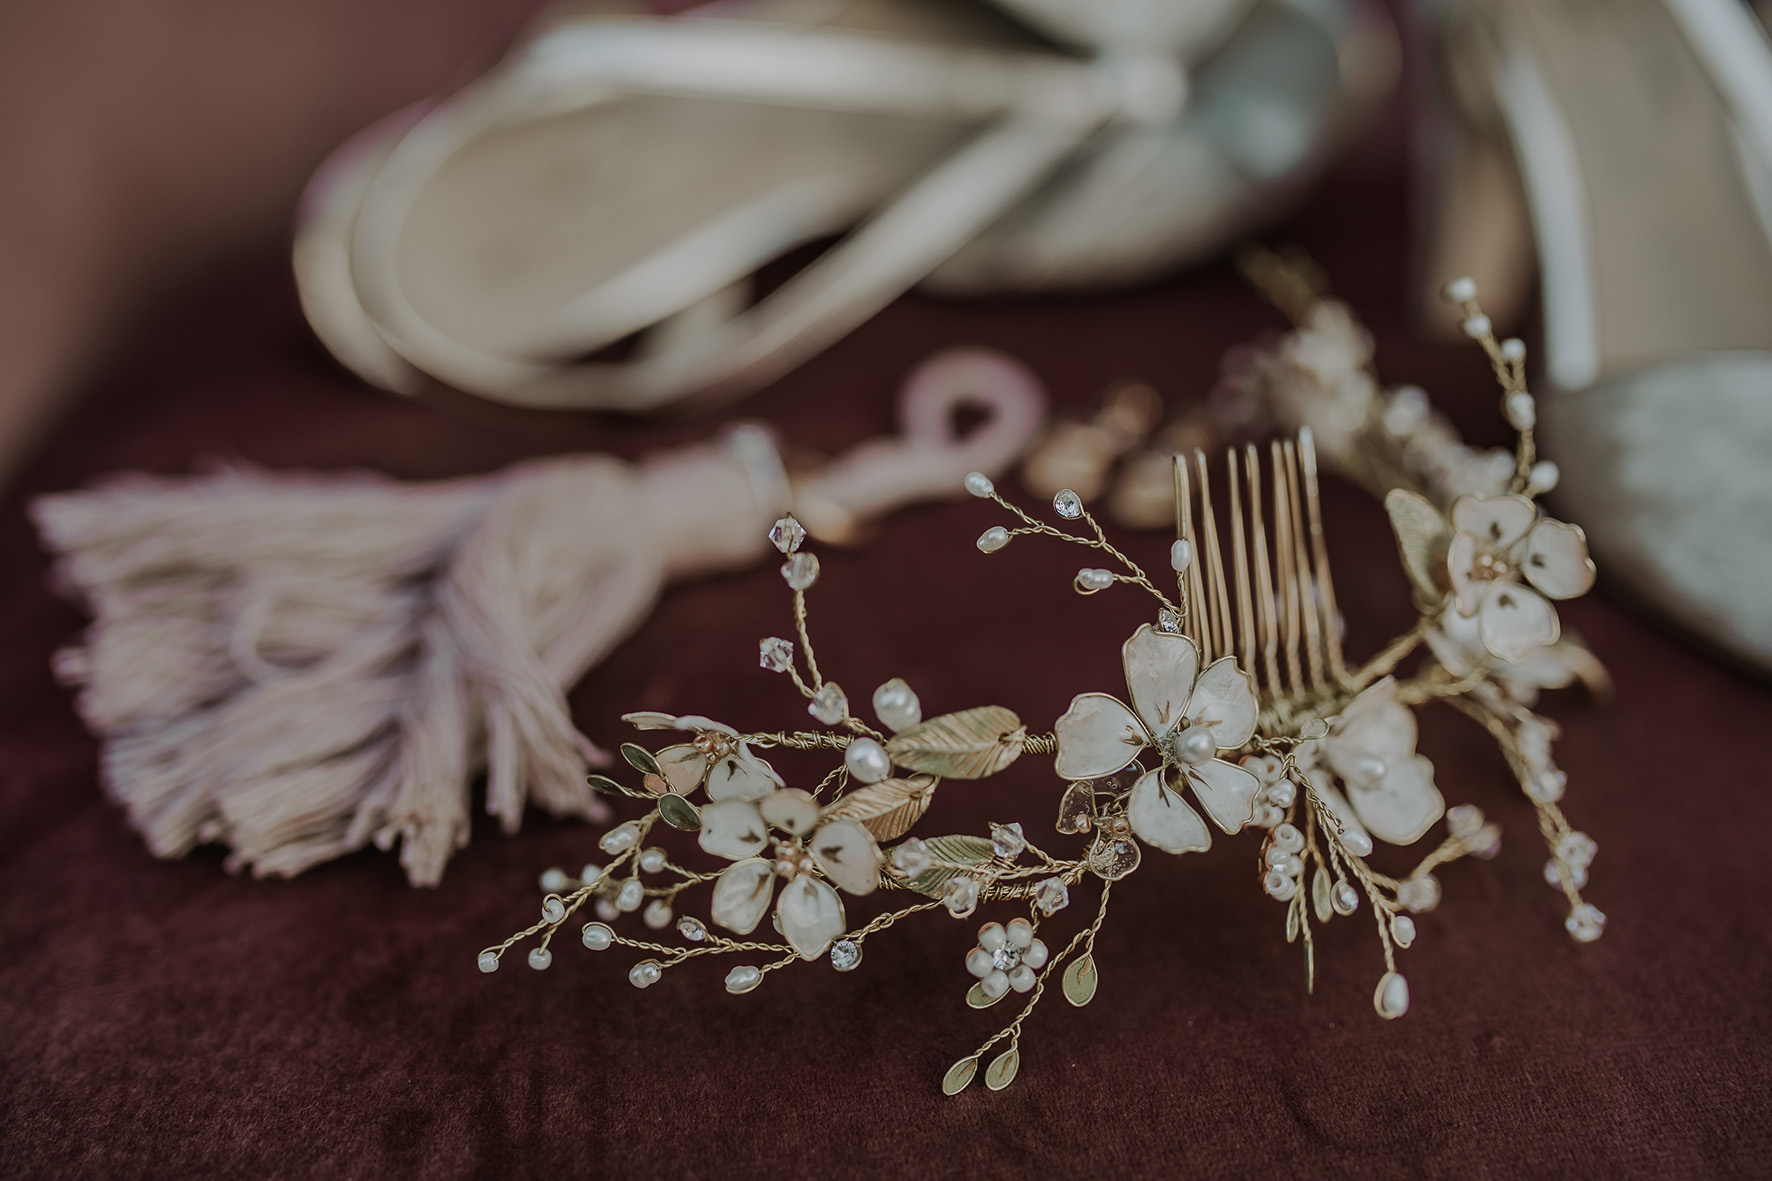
x=1240, y=704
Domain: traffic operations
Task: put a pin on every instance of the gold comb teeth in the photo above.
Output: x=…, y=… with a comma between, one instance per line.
x=1239, y=712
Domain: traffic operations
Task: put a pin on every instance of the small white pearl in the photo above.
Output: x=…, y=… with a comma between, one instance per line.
x=994, y=985
x=993, y=539
x=1391, y=998
x=1181, y=554
x=645, y=974
x=1585, y=923
x=1195, y=745
x=979, y=485
x=606, y=909
x=1275, y=856
x=1356, y=842
x=1522, y=410
x=552, y=909
x=629, y=897
x=1283, y=793
x=1513, y=349
x=743, y=978
x=1035, y=955
x=1347, y=899
x=1477, y=327
x=991, y=936
x=598, y=937
x=1402, y=929
x=555, y=881
x=657, y=914
x=1267, y=815
x=1092, y=578
x=1022, y=978
x=652, y=860
x=1460, y=290
x=1020, y=933
x=979, y=963
x=540, y=958
x=591, y=874
x=1279, y=886
x=1544, y=477
x=620, y=838
x=1288, y=838
x=867, y=760
x=897, y=706
x=488, y=961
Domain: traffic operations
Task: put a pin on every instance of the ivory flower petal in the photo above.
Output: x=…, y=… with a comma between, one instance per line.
x=791, y=810
x=742, y=894
x=1514, y=620
x=1496, y=521
x=732, y=829
x=1226, y=791
x=1160, y=670
x=1097, y=736
x=741, y=775
x=1556, y=560
x=1161, y=818
x=1224, y=699
x=1403, y=804
x=683, y=767
x=811, y=916
x=848, y=855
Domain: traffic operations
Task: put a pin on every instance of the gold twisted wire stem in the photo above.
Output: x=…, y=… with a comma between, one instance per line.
x=1031, y=525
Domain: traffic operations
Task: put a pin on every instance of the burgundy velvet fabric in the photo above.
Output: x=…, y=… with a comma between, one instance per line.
x=164, y=1018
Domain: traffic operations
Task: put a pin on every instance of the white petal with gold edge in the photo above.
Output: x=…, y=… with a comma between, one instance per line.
x=1556, y=560
x=1515, y=620
x=741, y=775
x=683, y=767
x=1496, y=521
x=1160, y=671
x=1097, y=736
x=790, y=810
x=848, y=855
x=811, y=916
x=1461, y=564
x=1162, y=819
x=1226, y=791
x=732, y=829
x=1224, y=699
x=742, y=894
x=1403, y=805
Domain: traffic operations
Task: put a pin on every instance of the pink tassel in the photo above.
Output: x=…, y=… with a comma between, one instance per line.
x=299, y=665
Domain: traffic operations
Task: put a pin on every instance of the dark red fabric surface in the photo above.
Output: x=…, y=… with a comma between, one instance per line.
x=165, y=1018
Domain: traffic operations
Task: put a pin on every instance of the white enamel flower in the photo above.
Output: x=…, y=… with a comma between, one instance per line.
x=1007, y=957
x=1187, y=716
x=809, y=912
x=1457, y=643
x=1371, y=748
x=1504, y=561
x=717, y=757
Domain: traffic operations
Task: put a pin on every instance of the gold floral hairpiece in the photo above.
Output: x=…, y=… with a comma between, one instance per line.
x=1239, y=712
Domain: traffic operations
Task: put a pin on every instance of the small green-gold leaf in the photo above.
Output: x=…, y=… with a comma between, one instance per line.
x=970, y=744
x=1320, y=901
x=960, y=850
x=1080, y=981
x=678, y=812
x=605, y=785
x=887, y=809
x=1002, y=1069
x=975, y=996
x=1292, y=912
x=959, y=1076
x=1422, y=536
x=640, y=759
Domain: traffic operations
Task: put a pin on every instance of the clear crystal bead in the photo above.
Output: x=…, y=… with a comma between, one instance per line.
x=1007, y=841
x=1585, y=923
x=1006, y=957
x=960, y=896
x=1419, y=894
x=787, y=534
x=912, y=857
x=801, y=571
x=692, y=929
x=829, y=705
x=1067, y=504
x=1169, y=621
x=776, y=654
x=845, y=955
x=1052, y=896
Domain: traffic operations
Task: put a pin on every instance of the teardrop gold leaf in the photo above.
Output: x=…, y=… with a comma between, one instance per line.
x=1320, y=895
x=1002, y=1069
x=975, y=996
x=640, y=759
x=1292, y=913
x=1080, y=980
x=959, y=1076
x=679, y=812
x=971, y=744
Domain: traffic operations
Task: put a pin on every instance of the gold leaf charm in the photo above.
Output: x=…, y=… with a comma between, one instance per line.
x=975, y=996
x=679, y=812
x=640, y=759
x=958, y=851
x=1320, y=901
x=959, y=1076
x=888, y=808
x=1293, y=912
x=1080, y=980
x=1422, y=537
x=970, y=744
x=1002, y=1069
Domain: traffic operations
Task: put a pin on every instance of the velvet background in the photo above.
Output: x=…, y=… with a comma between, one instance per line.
x=165, y=1019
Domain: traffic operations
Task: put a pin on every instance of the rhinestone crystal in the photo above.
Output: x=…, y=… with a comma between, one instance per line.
x=960, y=896
x=1169, y=621
x=1052, y=896
x=787, y=534
x=1067, y=504
x=776, y=654
x=912, y=857
x=845, y=954
x=692, y=929
x=801, y=571
x=1007, y=841
x=829, y=705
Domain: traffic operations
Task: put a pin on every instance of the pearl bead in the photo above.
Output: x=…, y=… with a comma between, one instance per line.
x=606, y=909
x=1544, y=477
x=743, y=978
x=1391, y=998
x=645, y=974
x=657, y=914
x=994, y=985
x=1181, y=554
x=629, y=897
x=1035, y=955
x=555, y=881
x=980, y=485
x=1288, y=838
x=896, y=705
x=620, y=838
x=867, y=760
x=1513, y=349
x=1585, y=923
x=591, y=874
x=1283, y=793
x=1461, y=290
x=1347, y=899
x=652, y=860
x=1266, y=816
x=1419, y=894
x=1022, y=978
x=488, y=961
x=1279, y=886
x=1092, y=578
x=1356, y=842
x=598, y=937
x=540, y=958
x=1402, y=929
x=1274, y=855
x=991, y=936
x=978, y=962
x=1195, y=745
x=993, y=539
x=552, y=909
x=1477, y=327
x=1577, y=848
x=1522, y=410
x=1020, y=933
